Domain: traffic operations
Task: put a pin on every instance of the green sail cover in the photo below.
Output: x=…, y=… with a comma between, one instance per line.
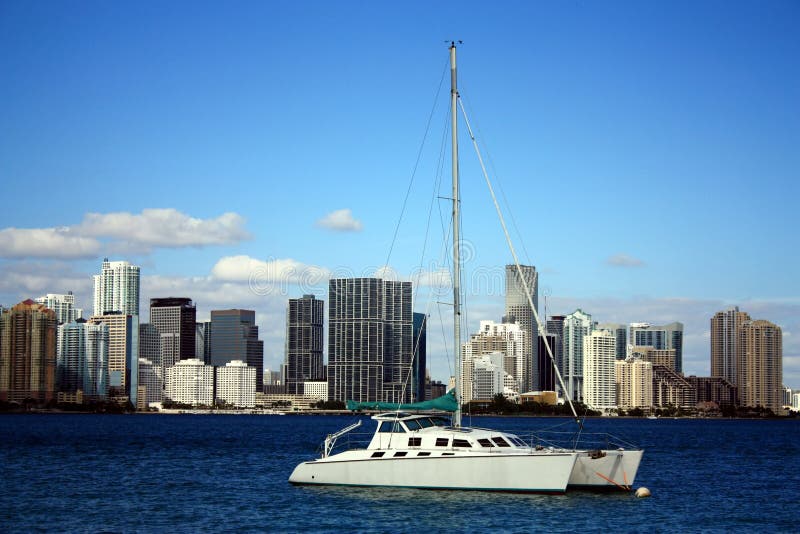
x=445, y=403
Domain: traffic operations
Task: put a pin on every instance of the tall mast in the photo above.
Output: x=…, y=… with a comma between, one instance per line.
x=456, y=237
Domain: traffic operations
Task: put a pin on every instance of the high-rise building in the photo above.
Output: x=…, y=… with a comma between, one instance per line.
x=151, y=378
x=63, y=305
x=175, y=316
x=760, y=365
x=28, y=353
x=234, y=336
x=370, y=340
x=724, y=338
x=150, y=344
x=620, y=333
x=518, y=310
x=671, y=389
x=555, y=326
x=420, y=341
x=488, y=376
x=116, y=288
x=634, y=380
x=668, y=336
x=304, y=322
x=577, y=325
x=123, y=353
x=599, y=391
x=547, y=373
x=236, y=384
x=82, y=359
x=190, y=382
x=202, y=341
x=507, y=339
x=714, y=389
x=664, y=357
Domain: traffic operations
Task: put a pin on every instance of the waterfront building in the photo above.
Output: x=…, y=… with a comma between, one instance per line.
x=202, y=341
x=82, y=359
x=507, y=339
x=670, y=388
x=576, y=327
x=714, y=389
x=123, y=353
x=150, y=382
x=234, y=336
x=419, y=362
x=665, y=357
x=546, y=367
x=236, y=384
x=620, y=333
x=318, y=389
x=190, y=382
x=175, y=316
x=303, y=361
x=599, y=385
x=116, y=288
x=62, y=305
x=555, y=326
x=488, y=376
x=760, y=365
x=434, y=389
x=724, y=339
x=518, y=310
x=370, y=340
x=669, y=336
x=634, y=381
x=28, y=353
x=796, y=402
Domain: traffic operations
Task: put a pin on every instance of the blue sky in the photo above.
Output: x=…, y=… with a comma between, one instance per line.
x=243, y=153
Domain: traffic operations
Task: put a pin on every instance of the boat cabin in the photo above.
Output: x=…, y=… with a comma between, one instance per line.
x=426, y=433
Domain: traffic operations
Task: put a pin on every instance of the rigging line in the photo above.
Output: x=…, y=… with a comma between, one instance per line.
x=416, y=165
x=541, y=329
x=499, y=183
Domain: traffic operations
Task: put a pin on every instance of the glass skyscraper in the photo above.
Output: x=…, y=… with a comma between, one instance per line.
x=370, y=340
x=234, y=336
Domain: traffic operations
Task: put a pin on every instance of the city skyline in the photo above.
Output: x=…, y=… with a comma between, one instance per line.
x=190, y=156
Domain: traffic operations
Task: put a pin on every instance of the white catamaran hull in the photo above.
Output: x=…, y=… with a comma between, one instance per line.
x=541, y=473
x=610, y=469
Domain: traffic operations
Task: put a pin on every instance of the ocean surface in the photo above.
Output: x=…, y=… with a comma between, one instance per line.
x=212, y=473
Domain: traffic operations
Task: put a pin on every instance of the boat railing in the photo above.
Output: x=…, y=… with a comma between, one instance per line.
x=575, y=440
x=345, y=440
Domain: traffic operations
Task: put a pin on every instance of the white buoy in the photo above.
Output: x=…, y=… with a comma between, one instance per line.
x=642, y=492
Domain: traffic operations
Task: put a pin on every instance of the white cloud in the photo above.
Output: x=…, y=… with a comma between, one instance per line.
x=165, y=227
x=46, y=243
x=340, y=221
x=122, y=232
x=623, y=260
x=269, y=276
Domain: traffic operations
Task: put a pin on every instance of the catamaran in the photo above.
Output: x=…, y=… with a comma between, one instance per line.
x=424, y=450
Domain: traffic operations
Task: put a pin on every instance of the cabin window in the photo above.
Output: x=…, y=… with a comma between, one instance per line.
x=485, y=442
x=424, y=423
x=438, y=421
x=518, y=442
x=461, y=443
x=448, y=453
x=442, y=442
x=400, y=453
x=414, y=442
x=423, y=454
x=500, y=442
x=413, y=424
x=377, y=454
x=391, y=426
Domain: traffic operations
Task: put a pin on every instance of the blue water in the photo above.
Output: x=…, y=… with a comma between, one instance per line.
x=145, y=473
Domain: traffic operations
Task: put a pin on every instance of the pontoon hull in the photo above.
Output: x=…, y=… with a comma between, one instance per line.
x=539, y=473
x=612, y=469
